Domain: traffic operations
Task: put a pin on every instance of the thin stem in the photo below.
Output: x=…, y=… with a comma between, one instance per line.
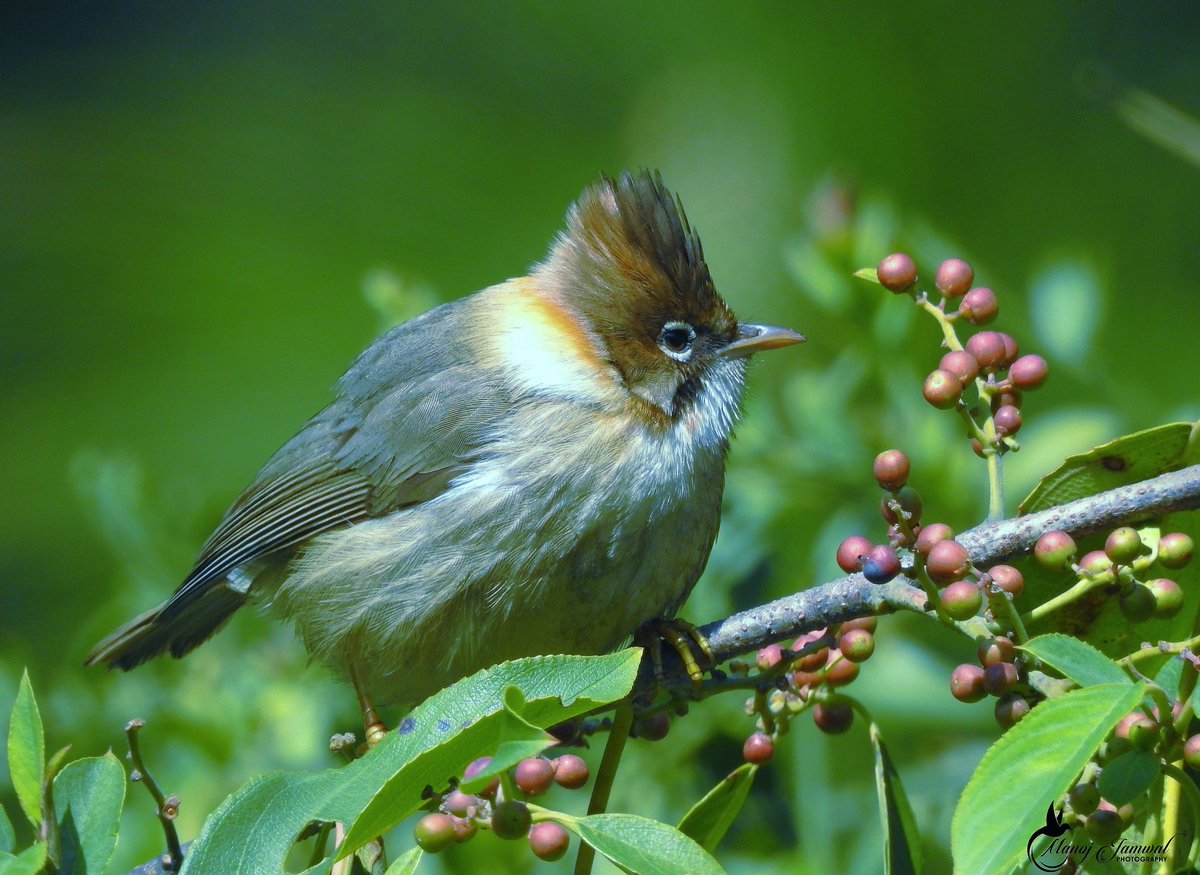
x=617, y=736
x=165, y=809
x=1005, y=603
x=1063, y=599
x=1170, y=820
x=1161, y=650
x=1193, y=796
x=995, y=463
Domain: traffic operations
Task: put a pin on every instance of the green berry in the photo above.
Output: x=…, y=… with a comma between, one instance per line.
x=1054, y=550
x=1096, y=562
x=1175, y=550
x=1123, y=545
x=511, y=819
x=857, y=645
x=1104, y=826
x=434, y=832
x=961, y=600
x=1168, y=597
x=1084, y=798
x=1137, y=603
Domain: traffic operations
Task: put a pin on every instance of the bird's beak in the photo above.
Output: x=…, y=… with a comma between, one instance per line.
x=756, y=338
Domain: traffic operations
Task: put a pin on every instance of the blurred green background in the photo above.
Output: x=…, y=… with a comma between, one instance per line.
x=209, y=210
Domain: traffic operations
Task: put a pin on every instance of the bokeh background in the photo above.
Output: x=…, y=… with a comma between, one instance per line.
x=208, y=210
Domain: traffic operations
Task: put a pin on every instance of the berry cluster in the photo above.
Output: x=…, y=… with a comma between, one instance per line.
x=989, y=360
x=1119, y=570
x=460, y=815
x=806, y=677
x=1000, y=673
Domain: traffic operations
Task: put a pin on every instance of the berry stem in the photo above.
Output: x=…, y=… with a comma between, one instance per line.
x=1078, y=591
x=995, y=471
x=1004, y=601
x=617, y=736
x=1188, y=786
x=1163, y=648
x=939, y=314
x=1170, y=819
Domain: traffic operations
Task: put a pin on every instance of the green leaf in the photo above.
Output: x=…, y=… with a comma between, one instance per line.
x=1120, y=462
x=1128, y=776
x=8, y=839
x=901, y=839
x=1026, y=770
x=406, y=864
x=27, y=751
x=517, y=739
x=252, y=830
x=1169, y=675
x=709, y=819
x=88, y=796
x=1080, y=662
x=28, y=862
x=867, y=273
x=643, y=846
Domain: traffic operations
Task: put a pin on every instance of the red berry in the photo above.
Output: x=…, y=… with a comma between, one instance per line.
x=476, y=768
x=897, y=272
x=988, y=349
x=840, y=671
x=1008, y=421
x=966, y=683
x=857, y=645
x=932, y=534
x=1168, y=597
x=464, y=830
x=758, y=749
x=851, y=552
x=1011, y=350
x=891, y=469
x=1000, y=677
x=980, y=306
x=570, y=771
x=769, y=657
x=994, y=650
x=1029, y=372
x=1096, y=562
x=548, y=841
x=1054, y=550
x=948, y=561
x=960, y=363
x=867, y=624
x=942, y=389
x=954, y=277
x=534, y=776
x=833, y=718
x=961, y=600
x=1008, y=579
x=1191, y=752
x=1010, y=708
x=459, y=803
x=1175, y=550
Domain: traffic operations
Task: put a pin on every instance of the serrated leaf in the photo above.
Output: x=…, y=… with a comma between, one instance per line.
x=88, y=796
x=1119, y=462
x=406, y=863
x=27, y=751
x=1043, y=753
x=1080, y=662
x=643, y=846
x=28, y=862
x=1128, y=776
x=8, y=839
x=252, y=831
x=708, y=820
x=901, y=839
x=1169, y=675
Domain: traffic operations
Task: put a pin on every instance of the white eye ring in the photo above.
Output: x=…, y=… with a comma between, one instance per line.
x=676, y=339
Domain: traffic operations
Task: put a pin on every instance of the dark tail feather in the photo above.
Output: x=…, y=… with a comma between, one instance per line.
x=150, y=634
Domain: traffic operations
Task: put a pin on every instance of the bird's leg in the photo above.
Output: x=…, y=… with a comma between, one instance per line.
x=372, y=726
x=681, y=635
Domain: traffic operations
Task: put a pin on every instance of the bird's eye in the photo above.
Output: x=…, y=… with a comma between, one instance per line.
x=676, y=340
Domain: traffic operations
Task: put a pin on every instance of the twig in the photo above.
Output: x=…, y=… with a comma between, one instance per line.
x=167, y=808
x=622, y=721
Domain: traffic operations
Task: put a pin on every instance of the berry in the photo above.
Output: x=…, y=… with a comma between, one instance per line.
x=1144, y=733
x=475, y=768
x=654, y=727
x=851, y=552
x=891, y=469
x=548, y=841
x=988, y=349
x=1010, y=709
x=1084, y=798
x=1011, y=398
x=1175, y=550
x=954, y=277
x=932, y=534
x=897, y=272
x=833, y=718
x=980, y=306
x=947, y=562
x=459, y=803
x=1054, y=550
x=867, y=624
x=961, y=600
x=1137, y=603
x=966, y=683
x=911, y=503
x=1168, y=597
x=570, y=771
x=881, y=564
x=1007, y=420
x=1008, y=579
x=434, y=832
x=1123, y=545
x=960, y=363
x=768, y=657
x=534, y=776
x=1029, y=372
x=464, y=830
x=1011, y=350
x=1104, y=826
x=511, y=819
x=1191, y=752
x=840, y=671
x=994, y=650
x=942, y=389
x=857, y=645
x=1096, y=562
x=758, y=749
x=1000, y=677
x=814, y=661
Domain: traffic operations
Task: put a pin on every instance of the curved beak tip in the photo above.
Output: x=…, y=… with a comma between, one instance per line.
x=757, y=338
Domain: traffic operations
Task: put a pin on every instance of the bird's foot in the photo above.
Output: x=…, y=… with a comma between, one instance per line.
x=373, y=728
x=682, y=636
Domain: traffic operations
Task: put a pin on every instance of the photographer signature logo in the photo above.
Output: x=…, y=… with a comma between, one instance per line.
x=1053, y=855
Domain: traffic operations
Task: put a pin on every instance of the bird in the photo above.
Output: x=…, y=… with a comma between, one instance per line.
x=536, y=468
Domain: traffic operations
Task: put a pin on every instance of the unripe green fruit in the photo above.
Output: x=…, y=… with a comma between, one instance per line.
x=961, y=600
x=1123, y=545
x=1104, y=826
x=434, y=833
x=1168, y=597
x=1137, y=603
x=1096, y=562
x=857, y=645
x=1175, y=550
x=1084, y=798
x=1054, y=550
x=511, y=819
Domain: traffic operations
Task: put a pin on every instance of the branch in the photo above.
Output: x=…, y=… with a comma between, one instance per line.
x=989, y=544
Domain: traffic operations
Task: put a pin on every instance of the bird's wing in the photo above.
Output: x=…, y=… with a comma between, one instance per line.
x=409, y=416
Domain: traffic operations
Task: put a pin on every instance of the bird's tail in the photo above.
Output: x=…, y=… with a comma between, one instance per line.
x=172, y=628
